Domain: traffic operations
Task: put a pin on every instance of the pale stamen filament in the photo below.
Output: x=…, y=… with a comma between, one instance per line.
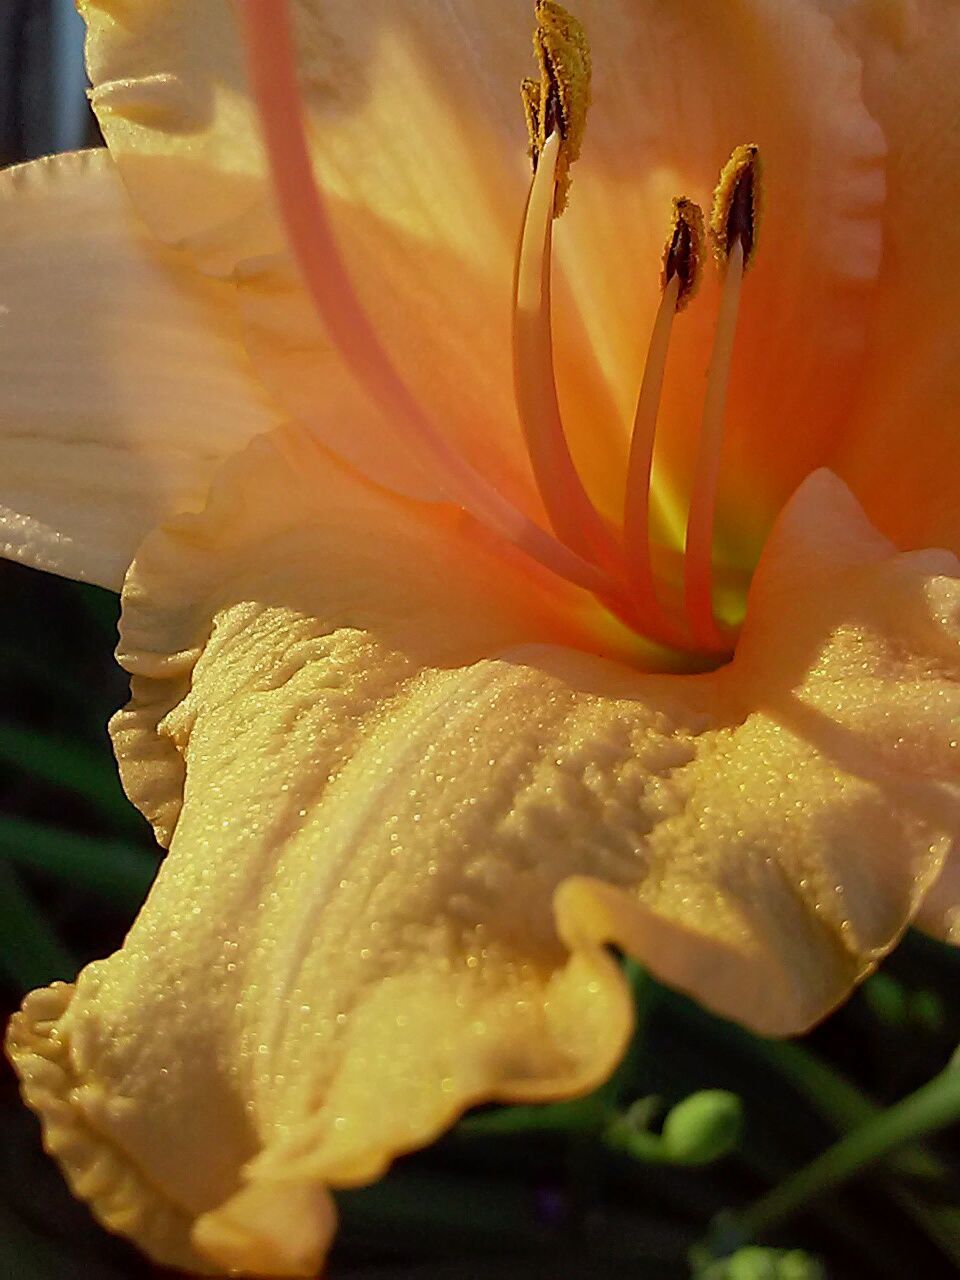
x=640, y=469
x=272, y=67
x=698, y=556
x=572, y=514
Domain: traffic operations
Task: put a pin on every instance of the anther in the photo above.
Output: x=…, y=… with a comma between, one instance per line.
x=736, y=205
x=683, y=252
x=679, y=278
x=733, y=226
x=558, y=101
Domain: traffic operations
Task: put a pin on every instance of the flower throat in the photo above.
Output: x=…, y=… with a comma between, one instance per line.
x=582, y=546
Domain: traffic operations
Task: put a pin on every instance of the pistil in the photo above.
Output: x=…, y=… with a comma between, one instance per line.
x=586, y=550
x=271, y=59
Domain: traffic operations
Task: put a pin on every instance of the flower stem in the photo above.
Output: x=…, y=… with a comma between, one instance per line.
x=830, y=1093
x=31, y=952
x=930, y=1108
x=843, y=1104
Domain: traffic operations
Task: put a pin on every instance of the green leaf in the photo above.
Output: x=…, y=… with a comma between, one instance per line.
x=116, y=870
x=31, y=952
x=63, y=763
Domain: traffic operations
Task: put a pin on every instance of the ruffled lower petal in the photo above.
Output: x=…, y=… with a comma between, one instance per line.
x=412, y=799
x=98, y=1171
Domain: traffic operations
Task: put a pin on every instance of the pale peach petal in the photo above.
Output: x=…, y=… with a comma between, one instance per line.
x=419, y=143
x=900, y=451
x=407, y=814
x=427, y=215
x=123, y=381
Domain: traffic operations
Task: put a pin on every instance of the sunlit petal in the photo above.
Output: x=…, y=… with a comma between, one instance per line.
x=123, y=382
x=426, y=199
x=900, y=448
x=940, y=912
x=419, y=144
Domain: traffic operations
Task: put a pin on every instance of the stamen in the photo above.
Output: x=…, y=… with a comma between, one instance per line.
x=683, y=252
x=734, y=227
x=272, y=65
x=559, y=102
x=680, y=277
x=571, y=512
x=736, y=204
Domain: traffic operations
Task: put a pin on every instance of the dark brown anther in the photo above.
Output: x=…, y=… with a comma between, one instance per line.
x=557, y=102
x=683, y=252
x=736, y=204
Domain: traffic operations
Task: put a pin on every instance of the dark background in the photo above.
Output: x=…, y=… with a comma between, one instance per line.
x=76, y=860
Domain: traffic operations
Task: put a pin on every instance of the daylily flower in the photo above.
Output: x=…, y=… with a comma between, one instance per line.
x=396, y=711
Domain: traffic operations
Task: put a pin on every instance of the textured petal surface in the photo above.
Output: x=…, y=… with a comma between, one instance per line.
x=901, y=453
x=419, y=142
x=123, y=381
x=407, y=812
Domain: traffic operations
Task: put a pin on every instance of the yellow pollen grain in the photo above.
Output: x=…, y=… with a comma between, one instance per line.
x=559, y=100
x=683, y=251
x=736, y=204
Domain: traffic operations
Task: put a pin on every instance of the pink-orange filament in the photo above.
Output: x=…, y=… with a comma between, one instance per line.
x=272, y=67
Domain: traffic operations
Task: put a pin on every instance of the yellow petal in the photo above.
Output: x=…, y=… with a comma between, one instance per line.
x=409, y=806
x=419, y=144
x=900, y=452
x=123, y=382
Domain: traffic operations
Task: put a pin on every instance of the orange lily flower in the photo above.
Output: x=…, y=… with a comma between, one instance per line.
x=467, y=639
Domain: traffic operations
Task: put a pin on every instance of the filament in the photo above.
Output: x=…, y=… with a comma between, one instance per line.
x=698, y=557
x=640, y=468
x=572, y=514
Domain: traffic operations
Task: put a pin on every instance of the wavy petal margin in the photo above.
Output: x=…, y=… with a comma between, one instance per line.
x=410, y=807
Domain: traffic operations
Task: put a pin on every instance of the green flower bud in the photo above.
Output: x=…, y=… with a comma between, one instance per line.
x=703, y=1127
x=798, y=1265
x=887, y=998
x=753, y=1264
x=927, y=1010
